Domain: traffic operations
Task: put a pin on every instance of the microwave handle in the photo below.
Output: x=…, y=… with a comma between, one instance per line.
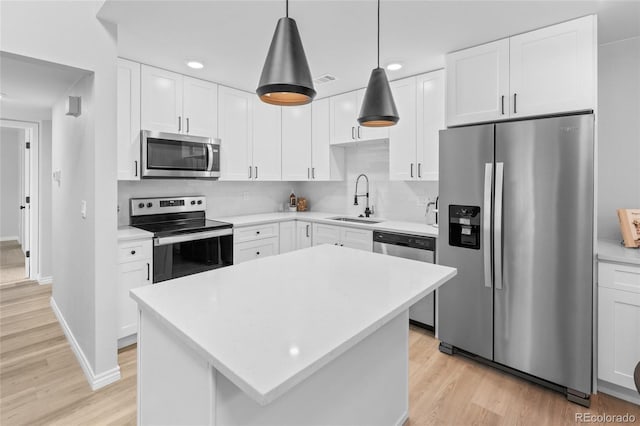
x=210, y=157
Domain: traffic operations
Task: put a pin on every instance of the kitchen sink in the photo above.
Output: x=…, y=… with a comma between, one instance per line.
x=355, y=220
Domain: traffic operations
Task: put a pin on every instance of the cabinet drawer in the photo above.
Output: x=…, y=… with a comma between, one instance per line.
x=132, y=251
x=250, y=250
x=258, y=232
x=619, y=277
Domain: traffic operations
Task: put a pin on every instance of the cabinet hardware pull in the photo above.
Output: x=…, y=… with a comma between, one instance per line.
x=148, y=271
x=308, y=173
x=187, y=124
x=353, y=132
x=411, y=169
x=307, y=231
x=135, y=168
x=256, y=172
x=502, y=104
x=179, y=123
x=257, y=253
x=313, y=172
x=257, y=232
x=419, y=170
x=359, y=132
x=515, y=111
x=133, y=252
x=250, y=172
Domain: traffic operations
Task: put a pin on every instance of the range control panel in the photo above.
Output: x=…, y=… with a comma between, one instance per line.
x=464, y=226
x=146, y=206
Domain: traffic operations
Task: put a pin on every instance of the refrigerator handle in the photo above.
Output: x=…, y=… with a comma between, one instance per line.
x=486, y=223
x=497, y=226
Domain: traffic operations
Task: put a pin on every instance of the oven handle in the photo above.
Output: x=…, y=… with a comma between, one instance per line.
x=191, y=237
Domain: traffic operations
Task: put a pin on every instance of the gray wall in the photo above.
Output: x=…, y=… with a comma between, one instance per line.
x=45, y=225
x=619, y=132
x=10, y=140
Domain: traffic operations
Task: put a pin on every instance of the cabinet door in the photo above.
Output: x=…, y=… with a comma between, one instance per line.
x=130, y=275
x=287, y=236
x=296, y=143
x=402, y=136
x=128, y=103
x=553, y=69
x=251, y=250
x=267, y=137
x=235, y=130
x=200, y=108
x=303, y=234
x=325, y=234
x=320, y=141
x=478, y=84
x=368, y=133
x=161, y=105
x=360, y=239
x=343, y=110
x=430, y=114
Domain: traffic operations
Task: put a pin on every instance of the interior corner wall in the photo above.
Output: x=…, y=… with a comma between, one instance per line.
x=10, y=140
x=45, y=225
x=68, y=33
x=618, y=132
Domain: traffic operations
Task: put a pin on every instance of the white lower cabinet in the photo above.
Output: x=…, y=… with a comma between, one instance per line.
x=342, y=236
x=254, y=242
x=303, y=234
x=287, y=236
x=134, y=270
x=618, y=323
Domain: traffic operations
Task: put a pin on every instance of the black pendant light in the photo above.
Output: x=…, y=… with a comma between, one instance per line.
x=378, y=108
x=286, y=79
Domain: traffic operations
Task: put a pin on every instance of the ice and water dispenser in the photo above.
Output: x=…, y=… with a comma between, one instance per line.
x=464, y=226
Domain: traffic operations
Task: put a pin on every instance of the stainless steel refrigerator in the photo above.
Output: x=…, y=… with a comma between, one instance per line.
x=516, y=208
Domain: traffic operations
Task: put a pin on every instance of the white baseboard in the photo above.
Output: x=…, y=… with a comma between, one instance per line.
x=96, y=381
x=629, y=395
x=45, y=280
x=10, y=238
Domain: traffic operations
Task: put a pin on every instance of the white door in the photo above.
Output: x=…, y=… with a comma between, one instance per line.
x=235, y=127
x=553, y=69
x=320, y=141
x=368, y=133
x=430, y=117
x=343, y=117
x=478, y=84
x=200, y=107
x=161, y=103
x=303, y=234
x=128, y=102
x=402, y=136
x=267, y=137
x=287, y=236
x=296, y=143
x=26, y=201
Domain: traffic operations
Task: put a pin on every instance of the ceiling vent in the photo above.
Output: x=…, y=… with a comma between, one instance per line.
x=327, y=78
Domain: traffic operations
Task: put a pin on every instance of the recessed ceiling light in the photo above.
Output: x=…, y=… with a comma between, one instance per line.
x=2, y=95
x=394, y=66
x=196, y=65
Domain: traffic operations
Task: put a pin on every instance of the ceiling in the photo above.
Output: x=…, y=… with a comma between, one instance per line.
x=30, y=86
x=232, y=37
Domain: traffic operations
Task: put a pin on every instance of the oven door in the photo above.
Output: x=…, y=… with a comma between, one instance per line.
x=179, y=156
x=185, y=254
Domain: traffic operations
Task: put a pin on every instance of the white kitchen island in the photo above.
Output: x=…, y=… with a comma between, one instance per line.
x=313, y=337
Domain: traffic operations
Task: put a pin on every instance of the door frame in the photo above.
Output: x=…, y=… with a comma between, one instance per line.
x=32, y=268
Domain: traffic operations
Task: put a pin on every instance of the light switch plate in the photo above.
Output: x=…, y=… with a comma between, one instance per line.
x=83, y=209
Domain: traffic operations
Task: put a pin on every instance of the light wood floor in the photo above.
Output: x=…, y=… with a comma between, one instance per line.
x=11, y=263
x=42, y=383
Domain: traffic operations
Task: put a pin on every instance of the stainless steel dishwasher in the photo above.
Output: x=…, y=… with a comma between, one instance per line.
x=413, y=247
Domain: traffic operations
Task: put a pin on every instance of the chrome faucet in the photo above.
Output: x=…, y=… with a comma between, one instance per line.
x=367, y=211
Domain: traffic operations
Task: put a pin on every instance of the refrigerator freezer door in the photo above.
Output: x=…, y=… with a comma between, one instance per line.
x=543, y=310
x=465, y=304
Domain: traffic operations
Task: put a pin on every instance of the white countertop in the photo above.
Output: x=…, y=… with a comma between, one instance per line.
x=269, y=324
x=413, y=228
x=126, y=233
x=613, y=251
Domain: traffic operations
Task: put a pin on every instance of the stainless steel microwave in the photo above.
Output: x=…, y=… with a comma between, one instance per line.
x=173, y=155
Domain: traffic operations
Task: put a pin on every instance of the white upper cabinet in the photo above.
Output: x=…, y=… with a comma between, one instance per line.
x=430, y=120
x=128, y=103
x=553, y=69
x=266, y=147
x=547, y=71
x=296, y=143
x=402, y=136
x=200, y=109
x=235, y=131
x=478, y=83
x=327, y=162
x=161, y=100
x=175, y=103
x=344, y=127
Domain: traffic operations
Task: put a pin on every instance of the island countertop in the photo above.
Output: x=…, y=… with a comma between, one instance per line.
x=269, y=324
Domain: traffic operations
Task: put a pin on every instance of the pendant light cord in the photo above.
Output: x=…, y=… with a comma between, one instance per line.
x=378, y=33
x=287, y=8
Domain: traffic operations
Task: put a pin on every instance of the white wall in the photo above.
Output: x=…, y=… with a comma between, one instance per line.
x=68, y=33
x=45, y=225
x=10, y=140
x=619, y=132
x=391, y=199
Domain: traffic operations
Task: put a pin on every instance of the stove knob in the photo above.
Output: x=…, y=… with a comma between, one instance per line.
x=193, y=202
x=199, y=202
x=149, y=204
x=141, y=205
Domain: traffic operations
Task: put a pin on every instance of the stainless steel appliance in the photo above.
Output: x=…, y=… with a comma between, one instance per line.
x=516, y=209
x=412, y=247
x=172, y=155
x=184, y=241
